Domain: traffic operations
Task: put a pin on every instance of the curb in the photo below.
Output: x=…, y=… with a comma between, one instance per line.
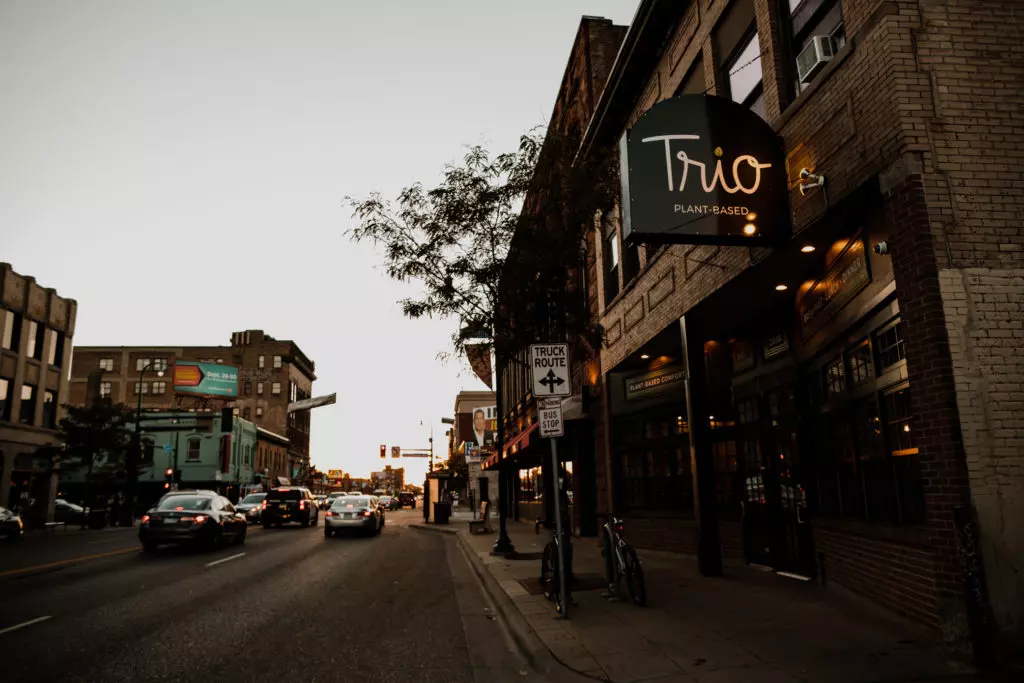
x=539, y=656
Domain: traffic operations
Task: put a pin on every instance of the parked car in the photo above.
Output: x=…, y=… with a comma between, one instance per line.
x=406, y=498
x=389, y=502
x=354, y=513
x=69, y=513
x=11, y=525
x=321, y=501
x=202, y=518
x=251, y=506
x=287, y=504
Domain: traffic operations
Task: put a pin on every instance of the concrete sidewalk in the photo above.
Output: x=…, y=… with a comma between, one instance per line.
x=746, y=626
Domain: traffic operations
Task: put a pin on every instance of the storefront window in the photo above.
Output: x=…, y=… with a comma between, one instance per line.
x=890, y=345
x=531, y=485
x=835, y=377
x=654, y=464
x=861, y=366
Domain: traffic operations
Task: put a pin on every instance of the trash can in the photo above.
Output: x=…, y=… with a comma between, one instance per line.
x=442, y=513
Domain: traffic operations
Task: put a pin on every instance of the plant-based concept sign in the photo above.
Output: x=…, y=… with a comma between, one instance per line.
x=698, y=169
x=205, y=379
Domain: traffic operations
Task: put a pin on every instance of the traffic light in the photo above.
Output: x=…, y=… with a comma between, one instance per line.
x=168, y=477
x=383, y=451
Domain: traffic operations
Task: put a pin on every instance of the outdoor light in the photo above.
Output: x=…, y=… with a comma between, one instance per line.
x=781, y=288
x=751, y=216
x=807, y=248
x=749, y=229
x=644, y=356
x=906, y=428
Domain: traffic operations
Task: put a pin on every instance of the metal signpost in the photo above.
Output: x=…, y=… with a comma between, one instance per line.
x=549, y=366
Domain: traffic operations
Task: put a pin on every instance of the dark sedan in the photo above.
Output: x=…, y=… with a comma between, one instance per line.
x=251, y=506
x=201, y=518
x=11, y=525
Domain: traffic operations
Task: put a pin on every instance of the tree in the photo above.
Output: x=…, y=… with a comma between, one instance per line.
x=497, y=246
x=97, y=439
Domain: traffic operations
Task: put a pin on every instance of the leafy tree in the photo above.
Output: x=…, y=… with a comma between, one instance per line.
x=97, y=439
x=497, y=246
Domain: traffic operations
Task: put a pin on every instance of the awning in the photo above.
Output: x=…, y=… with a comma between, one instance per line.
x=516, y=444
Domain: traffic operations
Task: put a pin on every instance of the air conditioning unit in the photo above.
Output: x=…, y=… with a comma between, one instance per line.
x=814, y=57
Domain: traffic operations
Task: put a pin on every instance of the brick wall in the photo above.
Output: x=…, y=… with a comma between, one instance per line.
x=982, y=308
x=894, y=574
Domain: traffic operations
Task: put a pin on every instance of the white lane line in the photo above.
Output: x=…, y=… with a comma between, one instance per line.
x=23, y=625
x=226, y=559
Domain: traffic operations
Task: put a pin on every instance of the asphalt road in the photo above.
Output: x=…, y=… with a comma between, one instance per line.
x=288, y=605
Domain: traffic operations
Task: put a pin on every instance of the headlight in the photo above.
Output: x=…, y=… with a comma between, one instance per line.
x=21, y=525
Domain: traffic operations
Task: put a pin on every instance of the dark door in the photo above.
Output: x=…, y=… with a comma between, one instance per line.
x=753, y=472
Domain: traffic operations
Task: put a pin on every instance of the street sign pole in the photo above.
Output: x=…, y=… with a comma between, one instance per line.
x=562, y=580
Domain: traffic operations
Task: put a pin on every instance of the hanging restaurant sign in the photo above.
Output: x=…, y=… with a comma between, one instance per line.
x=698, y=169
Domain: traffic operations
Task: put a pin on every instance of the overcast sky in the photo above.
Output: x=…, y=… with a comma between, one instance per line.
x=178, y=168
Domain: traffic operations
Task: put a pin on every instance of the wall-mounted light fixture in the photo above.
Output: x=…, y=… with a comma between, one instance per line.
x=811, y=181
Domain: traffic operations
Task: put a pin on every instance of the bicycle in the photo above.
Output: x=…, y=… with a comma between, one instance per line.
x=550, y=578
x=620, y=560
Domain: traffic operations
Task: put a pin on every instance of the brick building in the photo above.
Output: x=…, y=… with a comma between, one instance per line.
x=590, y=61
x=845, y=405
x=36, y=328
x=272, y=374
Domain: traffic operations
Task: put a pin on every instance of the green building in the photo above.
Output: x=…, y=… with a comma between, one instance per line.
x=192, y=443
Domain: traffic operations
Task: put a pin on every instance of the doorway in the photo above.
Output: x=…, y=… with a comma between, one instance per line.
x=776, y=532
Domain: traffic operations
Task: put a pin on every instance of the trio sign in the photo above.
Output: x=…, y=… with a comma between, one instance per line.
x=698, y=169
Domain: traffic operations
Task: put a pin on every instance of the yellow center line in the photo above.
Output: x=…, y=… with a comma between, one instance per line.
x=61, y=563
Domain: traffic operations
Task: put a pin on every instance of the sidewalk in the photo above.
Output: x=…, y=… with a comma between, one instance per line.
x=746, y=626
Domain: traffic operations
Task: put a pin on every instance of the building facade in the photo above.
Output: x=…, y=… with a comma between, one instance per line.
x=524, y=453
x=36, y=331
x=272, y=374
x=482, y=485
x=846, y=405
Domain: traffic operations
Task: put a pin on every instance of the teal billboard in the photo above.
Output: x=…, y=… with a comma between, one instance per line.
x=205, y=379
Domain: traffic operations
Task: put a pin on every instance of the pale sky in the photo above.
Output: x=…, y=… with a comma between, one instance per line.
x=179, y=167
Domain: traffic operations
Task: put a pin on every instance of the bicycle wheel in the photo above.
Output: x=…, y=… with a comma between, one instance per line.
x=549, y=571
x=634, y=576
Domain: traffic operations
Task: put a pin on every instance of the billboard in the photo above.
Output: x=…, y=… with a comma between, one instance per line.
x=699, y=169
x=480, y=439
x=205, y=379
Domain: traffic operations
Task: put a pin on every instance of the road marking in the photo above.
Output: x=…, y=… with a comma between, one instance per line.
x=61, y=563
x=23, y=624
x=226, y=559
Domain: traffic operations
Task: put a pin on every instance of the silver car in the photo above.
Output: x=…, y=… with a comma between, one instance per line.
x=358, y=513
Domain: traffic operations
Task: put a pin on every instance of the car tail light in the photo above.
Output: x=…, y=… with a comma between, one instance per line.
x=145, y=518
x=200, y=519
x=330, y=514
x=263, y=505
x=367, y=513
x=302, y=505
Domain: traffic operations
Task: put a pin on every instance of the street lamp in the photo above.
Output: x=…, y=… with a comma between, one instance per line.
x=132, y=470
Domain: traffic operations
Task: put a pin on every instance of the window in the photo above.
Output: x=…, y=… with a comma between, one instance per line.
x=49, y=409
x=259, y=411
x=653, y=460
x=159, y=388
x=247, y=388
x=744, y=75
x=861, y=365
x=693, y=83
x=5, y=399
x=107, y=364
x=904, y=454
x=220, y=361
x=141, y=364
x=28, y=404
x=194, y=450
x=104, y=389
x=246, y=413
x=56, y=354
x=141, y=388
x=35, y=340
x=260, y=362
x=275, y=388
x=889, y=342
x=160, y=364
x=810, y=18
x=259, y=388
x=277, y=361
x=611, y=259
x=835, y=377
x=235, y=412
x=12, y=330
x=248, y=456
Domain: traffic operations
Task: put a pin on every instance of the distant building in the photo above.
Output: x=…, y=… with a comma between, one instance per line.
x=483, y=485
x=272, y=374
x=36, y=327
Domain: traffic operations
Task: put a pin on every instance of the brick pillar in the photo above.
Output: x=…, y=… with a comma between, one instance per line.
x=932, y=389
